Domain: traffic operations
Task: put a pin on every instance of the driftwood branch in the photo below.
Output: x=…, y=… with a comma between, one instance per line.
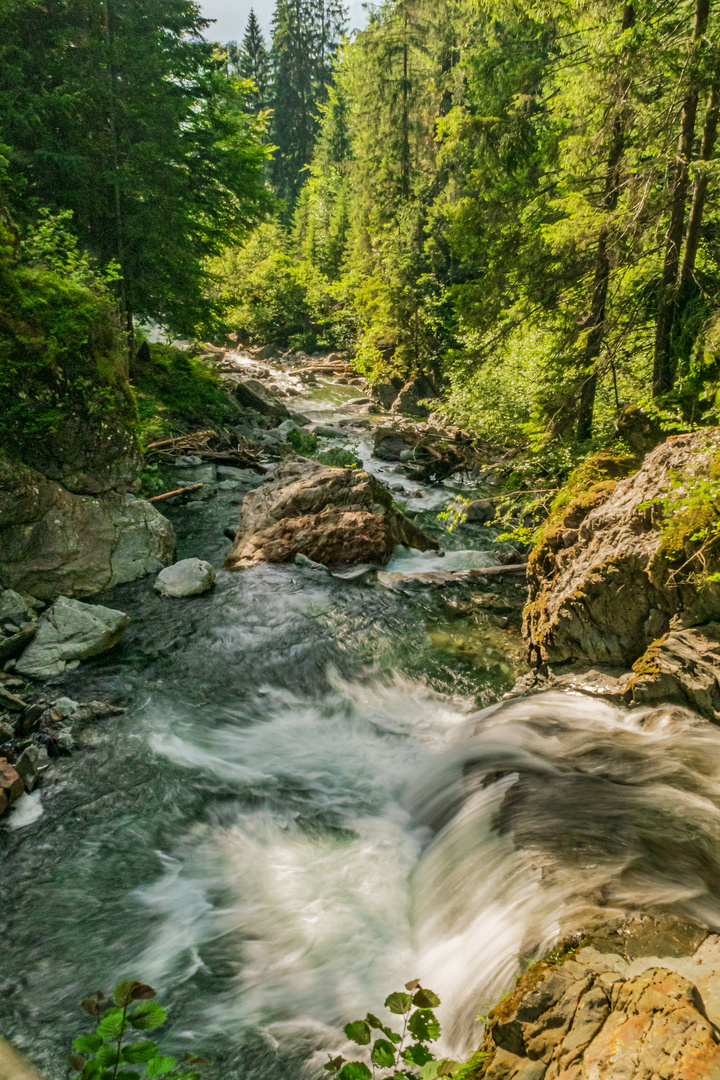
x=177, y=491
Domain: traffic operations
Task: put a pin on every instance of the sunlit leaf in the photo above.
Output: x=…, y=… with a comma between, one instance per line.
x=138, y=1052
x=358, y=1032
x=383, y=1054
x=400, y=1004
x=417, y=1055
x=425, y=999
x=111, y=1024
x=87, y=1044
x=355, y=1070
x=373, y=1021
x=159, y=1066
x=147, y=1015
x=424, y=1025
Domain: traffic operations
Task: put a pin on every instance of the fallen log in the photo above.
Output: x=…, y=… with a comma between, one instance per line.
x=177, y=491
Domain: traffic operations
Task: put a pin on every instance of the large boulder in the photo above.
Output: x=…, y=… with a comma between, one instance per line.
x=386, y=392
x=253, y=395
x=411, y=394
x=681, y=667
x=599, y=1017
x=605, y=582
x=330, y=515
x=69, y=632
x=189, y=577
x=54, y=542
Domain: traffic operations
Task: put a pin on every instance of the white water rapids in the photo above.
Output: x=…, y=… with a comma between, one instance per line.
x=466, y=843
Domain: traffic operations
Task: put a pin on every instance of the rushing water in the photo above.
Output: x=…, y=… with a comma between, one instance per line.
x=314, y=797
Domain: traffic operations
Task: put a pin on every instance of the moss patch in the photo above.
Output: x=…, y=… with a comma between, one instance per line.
x=177, y=393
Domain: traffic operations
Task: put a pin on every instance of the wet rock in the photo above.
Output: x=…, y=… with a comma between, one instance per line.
x=243, y=476
x=187, y=461
x=408, y=400
x=604, y=1016
x=309, y=564
x=268, y=352
x=54, y=542
x=682, y=667
x=360, y=401
x=203, y=473
x=69, y=632
x=390, y=445
x=189, y=577
x=601, y=588
x=253, y=395
x=480, y=511
x=26, y=767
x=330, y=515
x=327, y=432
x=11, y=786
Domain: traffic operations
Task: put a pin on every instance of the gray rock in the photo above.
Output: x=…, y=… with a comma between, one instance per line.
x=407, y=401
x=244, y=476
x=230, y=485
x=26, y=767
x=11, y=702
x=386, y=392
x=187, y=461
x=267, y=352
x=309, y=564
x=327, y=432
x=480, y=511
x=601, y=588
x=682, y=667
x=53, y=542
x=189, y=577
x=203, y=473
x=360, y=401
x=284, y=429
x=13, y=606
x=69, y=632
x=14, y=644
x=253, y=395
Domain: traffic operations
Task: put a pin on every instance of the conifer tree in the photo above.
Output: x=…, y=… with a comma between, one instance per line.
x=252, y=61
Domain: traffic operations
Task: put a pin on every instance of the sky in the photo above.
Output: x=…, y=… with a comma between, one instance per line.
x=232, y=16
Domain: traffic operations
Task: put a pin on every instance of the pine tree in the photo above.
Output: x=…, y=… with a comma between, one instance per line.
x=306, y=37
x=252, y=61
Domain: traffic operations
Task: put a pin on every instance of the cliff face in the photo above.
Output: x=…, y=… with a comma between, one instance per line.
x=57, y=542
x=612, y=579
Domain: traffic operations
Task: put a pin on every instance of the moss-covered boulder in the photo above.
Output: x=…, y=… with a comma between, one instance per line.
x=621, y=558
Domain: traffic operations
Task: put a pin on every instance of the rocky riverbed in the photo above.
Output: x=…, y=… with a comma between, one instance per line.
x=292, y=803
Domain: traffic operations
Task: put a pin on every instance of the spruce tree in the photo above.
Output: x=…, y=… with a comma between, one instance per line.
x=252, y=61
x=306, y=37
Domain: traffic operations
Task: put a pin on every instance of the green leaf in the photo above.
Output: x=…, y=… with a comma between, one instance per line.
x=111, y=1024
x=383, y=1054
x=333, y=1064
x=358, y=1032
x=400, y=1004
x=138, y=1052
x=355, y=1070
x=127, y=1074
x=147, y=1015
x=132, y=990
x=158, y=1066
x=444, y=1067
x=417, y=1054
x=429, y=1071
x=373, y=1021
x=425, y=999
x=93, y=1069
x=424, y=1025
x=107, y=1055
x=87, y=1044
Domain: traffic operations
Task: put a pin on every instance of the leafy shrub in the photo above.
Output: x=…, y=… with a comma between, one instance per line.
x=454, y=514
x=397, y=1054
x=338, y=459
x=105, y=1053
x=303, y=441
x=176, y=392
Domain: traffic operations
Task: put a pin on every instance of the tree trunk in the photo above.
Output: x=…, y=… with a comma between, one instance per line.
x=664, y=364
x=596, y=318
x=700, y=189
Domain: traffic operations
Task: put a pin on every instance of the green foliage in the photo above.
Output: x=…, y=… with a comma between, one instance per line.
x=100, y=1055
x=176, y=392
x=394, y=1052
x=125, y=115
x=62, y=354
x=338, y=458
x=454, y=514
x=303, y=442
x=691, y=523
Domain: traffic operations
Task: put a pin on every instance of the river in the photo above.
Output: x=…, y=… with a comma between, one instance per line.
x=317, y=794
